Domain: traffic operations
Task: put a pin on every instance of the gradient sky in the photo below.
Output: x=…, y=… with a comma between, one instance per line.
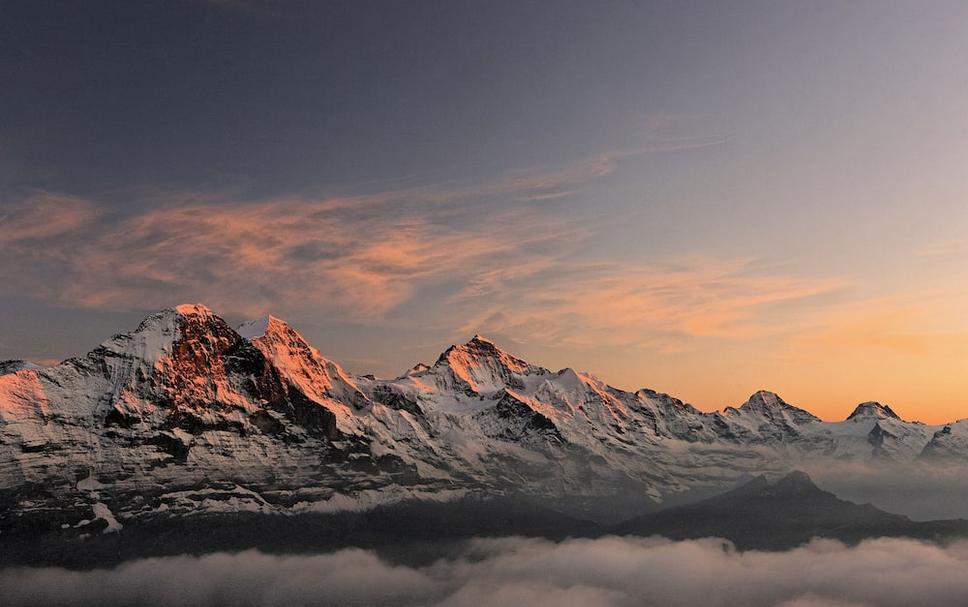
x=705, y=198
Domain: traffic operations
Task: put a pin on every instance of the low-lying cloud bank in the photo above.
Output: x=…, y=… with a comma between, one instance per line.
x=609, y=572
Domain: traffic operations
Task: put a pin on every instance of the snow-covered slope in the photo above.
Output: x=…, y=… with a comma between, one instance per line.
x=949, y=441
x=187, y=415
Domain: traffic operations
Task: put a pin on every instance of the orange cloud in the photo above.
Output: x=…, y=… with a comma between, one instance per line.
x=486, y=252
x=356, y=257
x=43, y=216
x=352, y=257
x=243, y=257
x=508, y=267
x=660, y=305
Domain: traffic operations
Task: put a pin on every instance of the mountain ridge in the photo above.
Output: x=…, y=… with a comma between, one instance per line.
x=783, y=514
x=761, y=400
x=187, y=414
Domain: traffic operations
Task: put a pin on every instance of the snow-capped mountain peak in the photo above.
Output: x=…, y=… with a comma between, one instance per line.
x=303, y=366
x=481, y=367
x=771, y=406
x=156, y=339
x=764, y=400
x=185, y=405
x=479, y=349
x=872, y=410
x=193, y=309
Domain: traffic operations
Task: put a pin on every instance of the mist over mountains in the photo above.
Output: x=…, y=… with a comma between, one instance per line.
x=188, y=417
x=604, y=572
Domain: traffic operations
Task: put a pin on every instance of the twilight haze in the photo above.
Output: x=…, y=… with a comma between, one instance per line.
x=704, y=198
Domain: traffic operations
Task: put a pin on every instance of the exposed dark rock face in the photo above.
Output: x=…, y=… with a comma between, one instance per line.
x=173, y=445
x=400, y=402
x=513, y=419
x=186, y=415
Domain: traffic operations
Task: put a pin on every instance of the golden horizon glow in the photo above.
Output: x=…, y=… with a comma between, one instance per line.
x=774, y=197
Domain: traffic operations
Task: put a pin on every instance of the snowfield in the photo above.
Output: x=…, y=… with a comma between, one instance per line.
x=186, y=414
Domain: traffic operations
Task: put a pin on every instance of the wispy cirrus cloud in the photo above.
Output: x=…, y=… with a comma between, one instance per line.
x=341, y=255
x=491, y=256
x=511, y=271
x=662, y=304
x=43, y=216
x=357, y=257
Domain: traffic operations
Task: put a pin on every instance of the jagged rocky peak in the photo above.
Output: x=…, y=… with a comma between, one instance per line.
x=187, y=331
x=482, y=351
x=872, y=410
x=193, y=309
x=182, y=359
x=480, y=366
x=197, y=323
x=762, y=400
x=477, y=347
x=302, y=364
x=770, y=405
x=172, y=321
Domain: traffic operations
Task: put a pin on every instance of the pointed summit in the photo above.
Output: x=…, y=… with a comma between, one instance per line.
x=301, y=364
x=278, y=341
x=480, y=366
x=193, y=309
x=763, y=400
x=158, y=334
x=171, y=318
x=482, y=345
x=770, y=405
x=872, y=410
x=479, y=347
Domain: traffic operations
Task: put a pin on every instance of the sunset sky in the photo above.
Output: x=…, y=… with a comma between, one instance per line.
x=703, y=198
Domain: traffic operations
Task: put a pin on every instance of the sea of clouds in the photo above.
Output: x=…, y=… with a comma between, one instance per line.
x=610, y=571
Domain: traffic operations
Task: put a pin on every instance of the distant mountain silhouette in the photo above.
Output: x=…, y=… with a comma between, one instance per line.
x=783, y=514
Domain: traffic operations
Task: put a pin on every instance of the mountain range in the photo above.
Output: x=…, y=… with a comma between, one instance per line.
x=187, y=415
